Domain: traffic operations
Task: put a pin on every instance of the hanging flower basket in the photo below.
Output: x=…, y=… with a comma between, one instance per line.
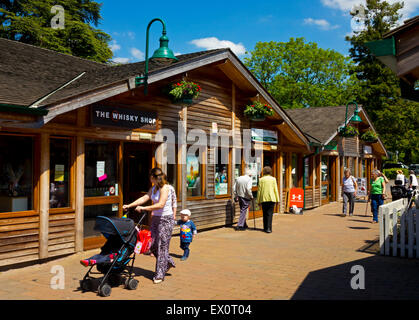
x=257, y=111
x=348, y=131
x=184, y=92
x=369, y=136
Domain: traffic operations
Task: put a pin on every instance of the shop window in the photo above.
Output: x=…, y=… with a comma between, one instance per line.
x=307, y=171
x=194, y=175
x=238, y=164
x=284, y=168
x=101, y=169
x=59, y=173
x=294, y=168
x=16, y=173
x=221, y=171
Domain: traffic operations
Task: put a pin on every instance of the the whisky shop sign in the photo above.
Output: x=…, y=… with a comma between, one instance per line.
x=123, y=118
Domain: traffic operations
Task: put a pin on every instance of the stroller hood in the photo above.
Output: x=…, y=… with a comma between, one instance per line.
x=121, y=227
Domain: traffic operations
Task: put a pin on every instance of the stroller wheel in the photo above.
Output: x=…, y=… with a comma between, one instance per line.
x=86, y=285
x=105, y=290
x=131, y=284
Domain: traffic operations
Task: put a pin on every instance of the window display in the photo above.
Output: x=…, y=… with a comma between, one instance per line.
x=59, y=173
x=101, y=169
x=16, y=173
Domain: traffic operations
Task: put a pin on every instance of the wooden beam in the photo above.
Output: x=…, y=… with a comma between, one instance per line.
x=79, y=217
x=44, y=196
x=233, y=130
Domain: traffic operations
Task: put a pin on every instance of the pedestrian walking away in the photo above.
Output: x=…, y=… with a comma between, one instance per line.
x=164, y=203
x=413, y=185
x=377, y=193
x=187, y=232
x=242, y=189
x=349, y=188
x=267, y=196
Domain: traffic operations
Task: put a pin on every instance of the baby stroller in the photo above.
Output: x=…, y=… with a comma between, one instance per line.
x=398, y=191
x=124, y=239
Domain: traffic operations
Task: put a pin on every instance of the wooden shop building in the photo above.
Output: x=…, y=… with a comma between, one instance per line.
x=78, y=139
x=332, y=152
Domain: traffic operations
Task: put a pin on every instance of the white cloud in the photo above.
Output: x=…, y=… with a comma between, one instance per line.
x=321, y=23
x=177, y=53
x=137, y=54
x=114, y=46
x=410, y=6
x=214, y=43
x=121, y=60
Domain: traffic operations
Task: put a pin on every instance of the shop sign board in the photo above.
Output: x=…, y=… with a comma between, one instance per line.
x=264, y=136
x=123, y=118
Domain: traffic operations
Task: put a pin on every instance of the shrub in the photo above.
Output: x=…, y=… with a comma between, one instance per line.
x=392, y=173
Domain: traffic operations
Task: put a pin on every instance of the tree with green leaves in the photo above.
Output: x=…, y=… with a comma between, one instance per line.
x=300, y=74
x=395, y=119
x=30, y=21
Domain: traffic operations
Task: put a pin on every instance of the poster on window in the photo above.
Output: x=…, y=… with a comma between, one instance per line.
x=362, y=187
x=221, y=181
x=192, y=169
x=59, y=173
x=254, y=172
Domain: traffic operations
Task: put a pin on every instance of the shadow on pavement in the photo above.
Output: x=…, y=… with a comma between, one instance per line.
x=384, y=278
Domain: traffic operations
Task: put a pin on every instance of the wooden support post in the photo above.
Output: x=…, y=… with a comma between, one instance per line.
x=281, y=186
x=233, y=149
x=44, y=197
x=338, y=179
x=182, y=155
x=79, y=216
x=313, y=175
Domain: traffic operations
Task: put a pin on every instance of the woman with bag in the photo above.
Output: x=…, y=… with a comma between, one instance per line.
x=349, y=188
x=377, y=193
x=163, y=197
x=267, y=196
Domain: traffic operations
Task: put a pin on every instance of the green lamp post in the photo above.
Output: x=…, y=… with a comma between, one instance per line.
x=162, y=52
x=355, y=118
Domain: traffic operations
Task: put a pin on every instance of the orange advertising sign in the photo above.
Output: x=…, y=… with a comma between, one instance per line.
x=296, y=197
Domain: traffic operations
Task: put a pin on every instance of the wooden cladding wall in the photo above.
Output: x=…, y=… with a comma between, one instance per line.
x=61, y=236
x=213, y=212
x=19, y=239
x=310, y=201
x=214, y=104
x=348, y=146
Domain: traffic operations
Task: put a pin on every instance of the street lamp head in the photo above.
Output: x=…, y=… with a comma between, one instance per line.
x=164, y=51
x=356, y=118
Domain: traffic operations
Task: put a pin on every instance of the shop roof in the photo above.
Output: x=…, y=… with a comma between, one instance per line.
x=321, y=124
x=44, y=79
x=29, y=74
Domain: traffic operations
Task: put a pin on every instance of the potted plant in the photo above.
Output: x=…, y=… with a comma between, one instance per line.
x=349, y=131
x=184, y=91
x=369, y=136
x=257, y=111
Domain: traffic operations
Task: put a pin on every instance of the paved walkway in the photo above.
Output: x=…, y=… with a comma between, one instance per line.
x=306, y=257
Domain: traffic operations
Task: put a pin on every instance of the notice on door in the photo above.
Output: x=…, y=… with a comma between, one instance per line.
x=100, y=169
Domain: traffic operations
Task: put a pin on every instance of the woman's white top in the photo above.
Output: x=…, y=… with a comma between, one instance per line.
x=414, y=180
x=400, y=177
x=171, y=201
x=349, y=184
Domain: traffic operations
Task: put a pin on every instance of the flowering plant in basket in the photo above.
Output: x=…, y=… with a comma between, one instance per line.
x=184, y=90
x=258, y=110
x=369, y=136
x=349, y=131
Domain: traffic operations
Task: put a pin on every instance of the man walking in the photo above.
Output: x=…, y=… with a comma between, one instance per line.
x=243, y=193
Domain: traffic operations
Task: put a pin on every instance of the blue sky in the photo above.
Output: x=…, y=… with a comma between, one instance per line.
x=201, y=25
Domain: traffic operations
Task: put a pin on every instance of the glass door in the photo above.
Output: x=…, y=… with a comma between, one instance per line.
x=138, y=162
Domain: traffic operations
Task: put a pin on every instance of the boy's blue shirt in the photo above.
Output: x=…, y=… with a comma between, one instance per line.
x=186, y=230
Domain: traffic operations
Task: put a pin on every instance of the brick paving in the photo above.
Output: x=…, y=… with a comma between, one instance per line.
x=307, y=256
